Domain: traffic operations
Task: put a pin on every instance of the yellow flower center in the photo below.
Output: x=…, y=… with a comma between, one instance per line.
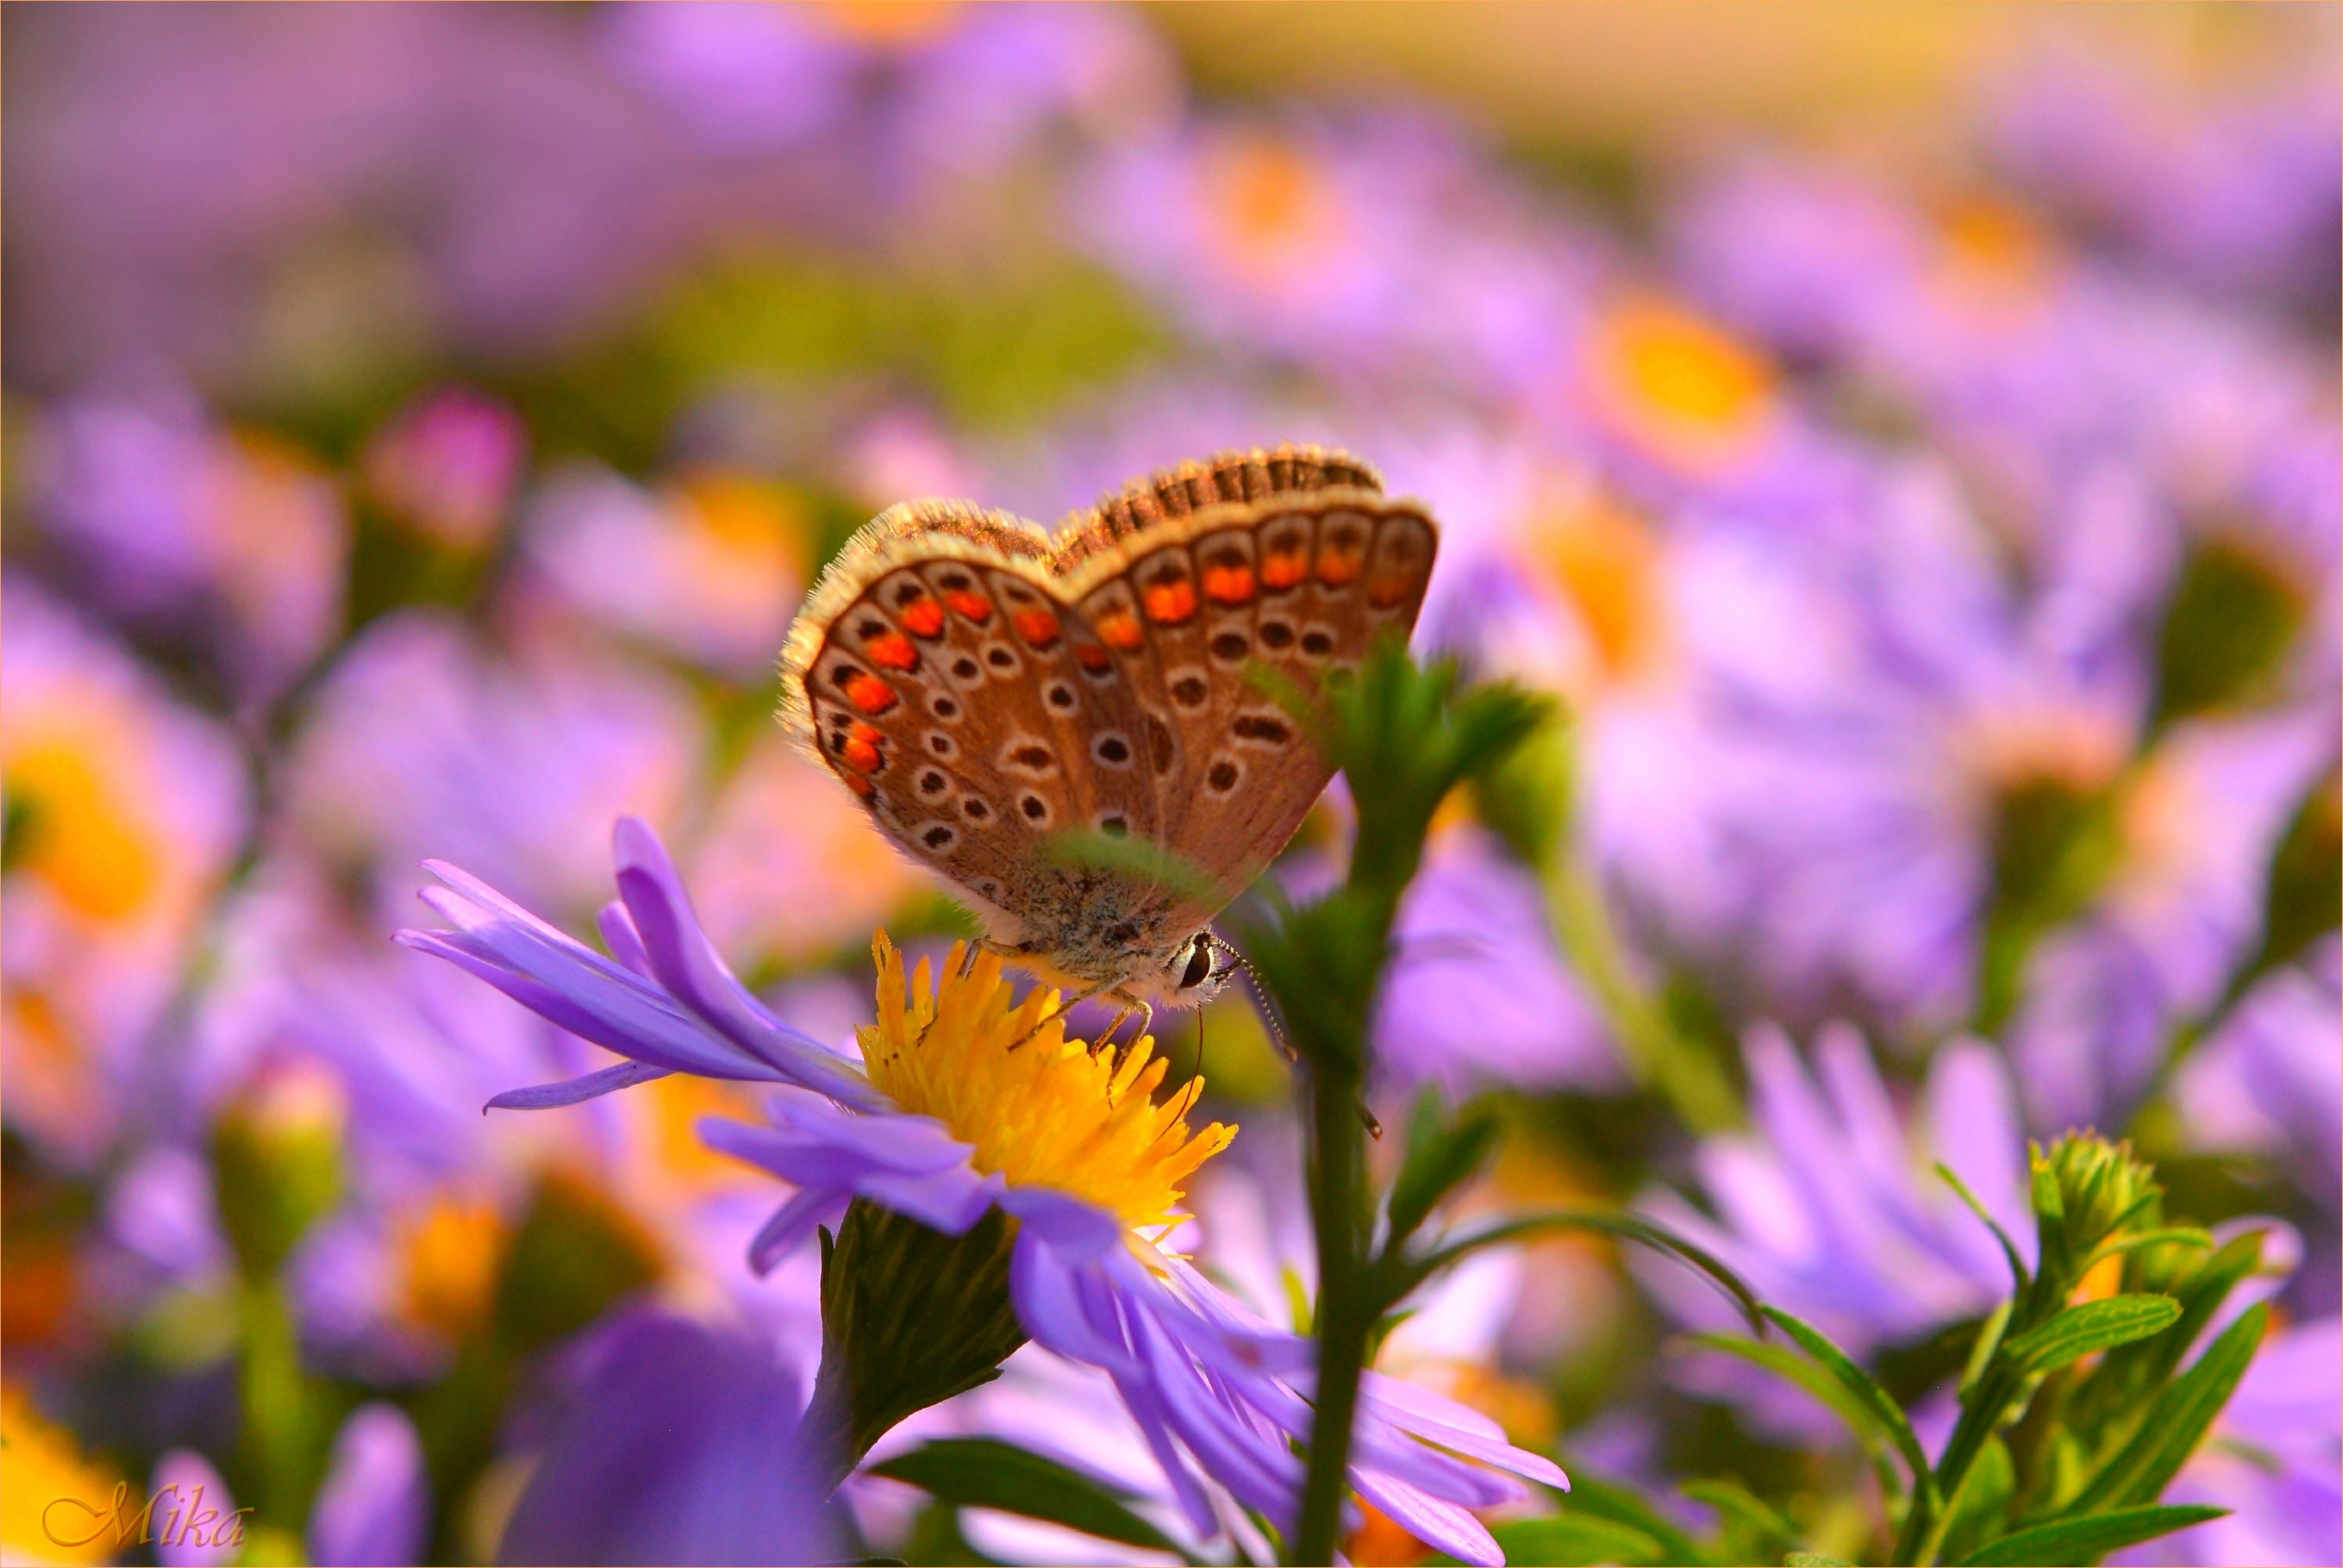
x=82, y=835
x=1605, y=562
x=1681, y=382
x=1041, y=1110
x=450, y=1252
x=1272, y=206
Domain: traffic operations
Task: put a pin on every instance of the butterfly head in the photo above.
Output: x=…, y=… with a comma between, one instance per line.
x=1195, y=971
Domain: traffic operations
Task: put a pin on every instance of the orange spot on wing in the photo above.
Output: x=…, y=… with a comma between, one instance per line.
x=1169, y=604
x=1337, y=569
x=1090, y=656
x=892, y=651
x=870, y=694
x=861, y=786
x=1038, y=627
x=923, y=618
x=1284, y=570
x=971, y=605
x=1388, y=588
x=1228, y=585
x=1120, y=629
x=860, y=750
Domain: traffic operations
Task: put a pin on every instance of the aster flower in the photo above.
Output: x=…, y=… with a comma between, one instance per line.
x=705, y=568
x=1827, y=1205
x=176, y=523
x=373, y=1507
x=944, y=1124
x=124, y=811
x=446, y=466
x=2268, y=1079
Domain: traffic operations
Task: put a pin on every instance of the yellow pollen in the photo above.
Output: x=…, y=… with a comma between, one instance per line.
x=1041, y=1110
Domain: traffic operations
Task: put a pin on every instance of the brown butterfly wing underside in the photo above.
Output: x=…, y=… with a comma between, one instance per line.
x=981, y=686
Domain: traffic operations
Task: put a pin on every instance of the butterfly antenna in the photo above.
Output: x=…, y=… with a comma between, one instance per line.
x=1265, y=1005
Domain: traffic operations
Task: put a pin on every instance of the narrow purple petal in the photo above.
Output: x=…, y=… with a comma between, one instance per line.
x=571, y=1091
x=375, y=1506
x=619, y=934
x=1442, y=1526
x=791, y=1223
x=682, y=959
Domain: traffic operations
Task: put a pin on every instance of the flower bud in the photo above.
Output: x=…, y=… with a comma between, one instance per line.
x=277, y=1160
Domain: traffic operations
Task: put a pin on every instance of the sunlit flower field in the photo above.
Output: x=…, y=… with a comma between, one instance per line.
x=1808, y=1029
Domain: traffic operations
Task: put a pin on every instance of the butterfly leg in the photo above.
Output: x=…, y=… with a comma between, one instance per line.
x=1065, y=1005
x=1139, y=1005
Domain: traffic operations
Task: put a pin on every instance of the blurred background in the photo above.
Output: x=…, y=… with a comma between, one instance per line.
x=1905, y=435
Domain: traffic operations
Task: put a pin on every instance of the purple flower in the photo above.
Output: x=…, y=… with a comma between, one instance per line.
x=375, y=1505
x=1478, y=993
x=446, y=464
x=173, y=522
x=1070, y=1143
x=2269, y=1079
x=2199, y=818
x=668, y=1441
x=1375, y=243
x=708, y=569
x=125, y=811
x=423, y=731
x=1827, y=1205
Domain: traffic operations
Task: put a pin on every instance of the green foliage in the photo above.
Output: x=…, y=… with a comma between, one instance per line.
x=2225, y=631
x=276, y=1169
x=2056, y=1457
x=2054, y=847
x=573, y=1256
x=2085, y=1541
x=909, y=1317
x=2094, y=1326
x=986, y=1472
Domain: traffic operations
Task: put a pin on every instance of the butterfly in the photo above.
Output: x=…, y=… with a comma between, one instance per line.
x=990, y=692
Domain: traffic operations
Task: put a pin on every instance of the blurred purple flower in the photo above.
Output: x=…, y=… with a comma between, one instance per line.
x=2270, y=1080
x=2245, y=192
x=373, y=1508
x=125, y=811
x=1478, y=993
x=196, y=1527
x=671, y=1442
x=709, y=569
x=1202, y=1376
x=372, y=1511
x=1378, y=243
x=424, y=735
x=1828, y=1206
x=171, y=522
x=2199, y=820
x=955, y=90
x=446, y=466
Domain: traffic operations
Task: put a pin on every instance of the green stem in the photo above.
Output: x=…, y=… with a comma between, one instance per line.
x=1689, y=1079
x=1338, y=1202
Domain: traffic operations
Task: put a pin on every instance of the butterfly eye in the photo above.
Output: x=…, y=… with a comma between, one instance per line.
x=1200, y=967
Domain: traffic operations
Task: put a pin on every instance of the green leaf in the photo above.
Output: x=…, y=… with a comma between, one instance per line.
x=1877, y=1401
x=1813, y=1560
x=2085, y=1541
x=1791, y=1367
x=1977, y=1207
x=2092, y=1326
x=1749, y=1520
x=1981, y=1511
x=2178, y=1420
x=1592, y=1497
x=1442, y=1155
x=986, y=1472
x=1609, y=1222
x=1573, y=1540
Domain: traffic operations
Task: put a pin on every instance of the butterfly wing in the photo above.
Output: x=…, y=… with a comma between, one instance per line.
x=1293, y=558
x=936, y=672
